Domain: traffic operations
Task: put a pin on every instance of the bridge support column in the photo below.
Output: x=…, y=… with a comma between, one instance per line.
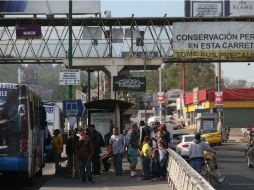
x=113, y=69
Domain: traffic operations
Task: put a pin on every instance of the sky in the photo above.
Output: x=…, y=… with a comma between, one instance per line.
x=173, y=8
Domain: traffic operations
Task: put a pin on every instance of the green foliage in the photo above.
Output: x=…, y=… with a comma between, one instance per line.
x=9, y=73
x=200, y=75
x=197, y=75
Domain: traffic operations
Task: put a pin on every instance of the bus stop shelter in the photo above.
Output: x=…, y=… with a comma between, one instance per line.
x=100, y=112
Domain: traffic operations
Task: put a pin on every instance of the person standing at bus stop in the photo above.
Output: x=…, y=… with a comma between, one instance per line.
x=98, y=142
x=85, y=151
x=117, y=143
x=57, y=145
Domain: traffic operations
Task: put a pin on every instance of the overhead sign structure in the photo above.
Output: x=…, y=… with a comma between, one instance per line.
x=73, y=108
x=137, y=84
x=69, y=77
x=214, y=40
x=49, y=6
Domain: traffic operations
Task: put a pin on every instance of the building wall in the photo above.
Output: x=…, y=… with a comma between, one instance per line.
x=238, y=117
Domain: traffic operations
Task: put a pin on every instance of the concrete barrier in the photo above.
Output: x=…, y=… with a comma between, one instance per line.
x=181, y=176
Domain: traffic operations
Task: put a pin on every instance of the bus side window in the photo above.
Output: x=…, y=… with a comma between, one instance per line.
x=43, y=120
x=31, y=114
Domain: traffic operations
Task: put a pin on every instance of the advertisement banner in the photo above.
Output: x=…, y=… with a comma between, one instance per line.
x=218, y=98
x=101, y=121
x=137, y=84
x=28, y=31
x=49, y=6
x=214, y=40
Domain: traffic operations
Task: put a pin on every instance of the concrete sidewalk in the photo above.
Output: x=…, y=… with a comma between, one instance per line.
x=104, y=181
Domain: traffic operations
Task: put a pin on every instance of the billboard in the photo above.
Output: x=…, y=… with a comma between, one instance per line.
x=101, y=121
x=49, y=6
x=137, y=84
x=214, y=40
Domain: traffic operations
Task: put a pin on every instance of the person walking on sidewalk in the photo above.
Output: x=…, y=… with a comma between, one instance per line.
x=85, y=151
x=117, y=143
x=57, y=145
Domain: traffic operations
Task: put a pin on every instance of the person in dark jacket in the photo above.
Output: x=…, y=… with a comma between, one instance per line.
x=71, y=144
x=144, y=131
x=98, y=142
x=85, y=151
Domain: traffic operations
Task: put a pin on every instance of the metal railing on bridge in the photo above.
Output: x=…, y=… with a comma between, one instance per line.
x=181, y=176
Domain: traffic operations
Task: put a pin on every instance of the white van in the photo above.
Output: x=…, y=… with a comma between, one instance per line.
x=54, y=117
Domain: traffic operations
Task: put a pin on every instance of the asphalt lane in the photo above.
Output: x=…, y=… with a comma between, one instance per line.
x=231, y=161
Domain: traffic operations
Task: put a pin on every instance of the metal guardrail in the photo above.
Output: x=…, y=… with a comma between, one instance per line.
x=181, y=176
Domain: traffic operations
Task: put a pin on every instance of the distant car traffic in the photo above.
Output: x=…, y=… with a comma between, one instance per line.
x=176, y=139
x=173, y=124
x=213, y=137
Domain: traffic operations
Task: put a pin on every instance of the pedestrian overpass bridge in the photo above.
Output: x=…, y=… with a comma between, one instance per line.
x=113, y=45
x=131, y=42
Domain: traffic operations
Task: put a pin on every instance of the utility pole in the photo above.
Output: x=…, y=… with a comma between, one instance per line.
x=70, y=43
x=218, y=86
x=184, y=84
x=70, y=86
x=160, y=90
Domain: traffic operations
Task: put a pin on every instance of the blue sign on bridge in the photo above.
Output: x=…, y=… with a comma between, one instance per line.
x=73, y=108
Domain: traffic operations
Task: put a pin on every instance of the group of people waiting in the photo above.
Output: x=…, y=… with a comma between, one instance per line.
x=84, y=147
x=84, y=151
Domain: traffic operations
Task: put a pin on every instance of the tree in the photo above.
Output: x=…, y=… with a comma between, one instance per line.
x=228, y=83
x=200, y=75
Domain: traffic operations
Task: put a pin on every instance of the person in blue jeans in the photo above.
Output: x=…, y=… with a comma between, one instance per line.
x=163, y=160
x=117, y=143
x=196, y=152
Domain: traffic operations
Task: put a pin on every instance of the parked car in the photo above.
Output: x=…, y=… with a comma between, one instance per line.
x=176, y=139
x=183, y=147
